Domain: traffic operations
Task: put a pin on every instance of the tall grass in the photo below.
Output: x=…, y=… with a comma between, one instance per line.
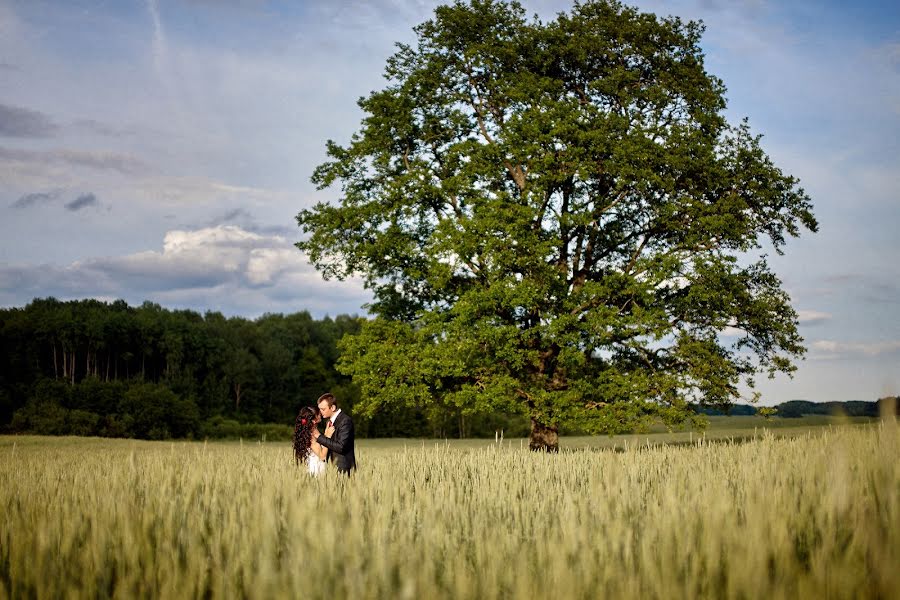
x=816, y=516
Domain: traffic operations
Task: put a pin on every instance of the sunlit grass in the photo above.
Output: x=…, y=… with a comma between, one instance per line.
x=732, y=429
x=814, y=514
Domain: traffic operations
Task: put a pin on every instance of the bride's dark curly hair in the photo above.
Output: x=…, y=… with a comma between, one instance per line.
x=306, y=421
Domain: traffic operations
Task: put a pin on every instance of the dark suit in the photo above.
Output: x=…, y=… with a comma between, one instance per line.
x=342, y=443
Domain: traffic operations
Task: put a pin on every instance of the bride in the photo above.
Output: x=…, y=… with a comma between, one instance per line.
x=305, y=446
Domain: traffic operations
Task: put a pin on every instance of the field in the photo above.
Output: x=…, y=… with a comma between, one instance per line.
x=778, y=512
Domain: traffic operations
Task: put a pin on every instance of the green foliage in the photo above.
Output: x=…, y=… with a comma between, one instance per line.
x=768, y=412
x=43, y=417
x=221, y=428
x=94, y=368
x=556, y=219
x=158, y=413
x=852, y=408
x=279, y=362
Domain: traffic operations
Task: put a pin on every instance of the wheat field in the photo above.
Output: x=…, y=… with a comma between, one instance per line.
x=813, y=516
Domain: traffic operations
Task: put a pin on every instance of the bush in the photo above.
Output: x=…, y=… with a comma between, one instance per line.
x=117, y=426
x=158, y=413
x=83, y=422
x=43, y=417
x=101, y=397
x=55, y=391
x=7, y=408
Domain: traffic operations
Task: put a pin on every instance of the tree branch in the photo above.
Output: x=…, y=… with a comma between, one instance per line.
x=515, y=171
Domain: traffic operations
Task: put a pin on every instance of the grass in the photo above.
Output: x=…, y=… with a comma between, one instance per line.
x=733, y=429
x=786, y=513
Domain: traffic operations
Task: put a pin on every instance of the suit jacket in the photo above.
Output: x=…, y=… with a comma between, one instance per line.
x=341, y=446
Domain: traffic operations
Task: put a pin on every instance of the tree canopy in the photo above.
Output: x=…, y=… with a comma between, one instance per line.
x=98, y=368
x=555, y=218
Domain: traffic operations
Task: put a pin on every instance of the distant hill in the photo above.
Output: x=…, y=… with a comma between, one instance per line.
x=736, y=410
x=850, y=408
x=798, y=408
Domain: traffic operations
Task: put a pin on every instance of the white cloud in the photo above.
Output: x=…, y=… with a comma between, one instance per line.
x=204, y=258
x=220, y=268
x=265, y=264
x=812, y=317
x=834, y=349
x=732, y=332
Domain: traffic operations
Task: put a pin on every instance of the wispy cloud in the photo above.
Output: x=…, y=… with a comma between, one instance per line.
x=805, y=317
x=21, y=122
x=99, y=128
x=34, y=199
x=836, y=349
x=873, y=287
x=112, y=161
x=242, y=218
x=82, y=201
x=890, y=53
x=159, y=37
x=882, y=292
x=238, y=214
x=812, y=317
x=843, y=278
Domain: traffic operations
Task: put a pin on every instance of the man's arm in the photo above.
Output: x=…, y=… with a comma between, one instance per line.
x=339, y=441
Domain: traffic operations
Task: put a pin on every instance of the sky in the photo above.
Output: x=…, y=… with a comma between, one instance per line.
x=160, y=150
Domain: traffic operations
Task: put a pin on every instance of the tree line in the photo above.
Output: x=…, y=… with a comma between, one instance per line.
x=793, y=409
x=88, y=367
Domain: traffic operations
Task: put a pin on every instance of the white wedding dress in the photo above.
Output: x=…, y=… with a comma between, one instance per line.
x=314, y=464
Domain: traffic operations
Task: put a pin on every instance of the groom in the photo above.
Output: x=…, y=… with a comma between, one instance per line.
x=341, y=443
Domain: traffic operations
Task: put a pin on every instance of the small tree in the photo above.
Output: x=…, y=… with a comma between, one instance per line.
x=556, y=219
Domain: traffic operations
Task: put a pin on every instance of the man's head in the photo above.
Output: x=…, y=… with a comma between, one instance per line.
x=327, y=405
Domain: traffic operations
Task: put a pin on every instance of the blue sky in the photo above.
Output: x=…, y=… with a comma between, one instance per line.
x=160, y=150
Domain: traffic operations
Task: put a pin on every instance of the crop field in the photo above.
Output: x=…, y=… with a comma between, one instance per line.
x=809, y=513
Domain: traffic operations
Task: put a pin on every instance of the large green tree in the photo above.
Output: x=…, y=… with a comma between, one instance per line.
x=556, y=219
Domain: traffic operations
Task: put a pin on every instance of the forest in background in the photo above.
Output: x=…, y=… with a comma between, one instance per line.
x=87, y=367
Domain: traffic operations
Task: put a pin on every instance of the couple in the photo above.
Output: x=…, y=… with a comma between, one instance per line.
x=337, y=444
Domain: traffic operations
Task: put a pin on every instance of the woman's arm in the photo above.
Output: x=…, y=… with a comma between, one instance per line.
x=320, y=450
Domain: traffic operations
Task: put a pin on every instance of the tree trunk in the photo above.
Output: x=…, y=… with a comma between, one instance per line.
x=543, y=438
